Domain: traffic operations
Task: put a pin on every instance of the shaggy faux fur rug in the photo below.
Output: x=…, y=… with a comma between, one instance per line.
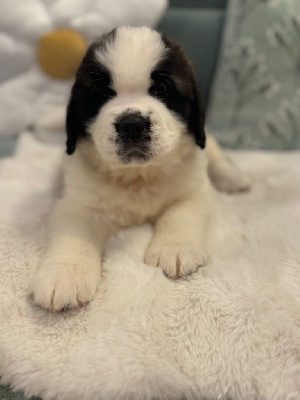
x=232, y=330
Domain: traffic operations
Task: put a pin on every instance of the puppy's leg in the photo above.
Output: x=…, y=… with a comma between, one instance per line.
x=71, y=268
x=223, y=174
x=179, y=237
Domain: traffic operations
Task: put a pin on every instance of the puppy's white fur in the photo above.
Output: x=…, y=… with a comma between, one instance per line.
x=132, y=57
x=103, y=195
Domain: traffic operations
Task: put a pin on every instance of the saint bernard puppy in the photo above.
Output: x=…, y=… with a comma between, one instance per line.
x=135, y=145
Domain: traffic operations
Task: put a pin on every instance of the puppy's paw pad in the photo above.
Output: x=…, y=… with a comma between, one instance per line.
x=175, y=261
x=56, y=287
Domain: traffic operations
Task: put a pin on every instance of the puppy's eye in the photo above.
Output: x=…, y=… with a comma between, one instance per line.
x=158, y=90
x=102, y=94
x=107, y=94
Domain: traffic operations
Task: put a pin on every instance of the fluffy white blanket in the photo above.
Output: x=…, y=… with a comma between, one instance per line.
x=232, y=330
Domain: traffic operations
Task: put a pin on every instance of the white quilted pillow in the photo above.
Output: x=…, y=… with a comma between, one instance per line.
x=26, y=92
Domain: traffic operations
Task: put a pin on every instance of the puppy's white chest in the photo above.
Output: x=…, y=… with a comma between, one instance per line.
x=135, y=203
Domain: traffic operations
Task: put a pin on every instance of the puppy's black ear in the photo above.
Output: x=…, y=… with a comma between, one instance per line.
x=74, y=125
x=180, y=68
x=197, y=116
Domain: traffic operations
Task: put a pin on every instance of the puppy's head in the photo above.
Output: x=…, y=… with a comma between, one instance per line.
x=135, y=96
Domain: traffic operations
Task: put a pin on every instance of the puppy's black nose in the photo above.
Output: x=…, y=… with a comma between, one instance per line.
x=133, y=126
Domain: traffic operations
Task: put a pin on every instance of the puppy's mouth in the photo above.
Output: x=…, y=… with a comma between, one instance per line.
x=139, y=153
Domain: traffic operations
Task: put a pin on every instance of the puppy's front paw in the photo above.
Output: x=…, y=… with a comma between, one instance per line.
x=57, y=286
x=175, y=260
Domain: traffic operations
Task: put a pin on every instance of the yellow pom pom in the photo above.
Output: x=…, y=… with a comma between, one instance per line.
x=60, y=53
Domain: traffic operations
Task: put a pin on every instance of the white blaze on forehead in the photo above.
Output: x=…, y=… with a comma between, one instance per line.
x=131, y=57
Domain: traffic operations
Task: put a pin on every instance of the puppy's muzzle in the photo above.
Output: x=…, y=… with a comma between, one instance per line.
x=133, y=128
